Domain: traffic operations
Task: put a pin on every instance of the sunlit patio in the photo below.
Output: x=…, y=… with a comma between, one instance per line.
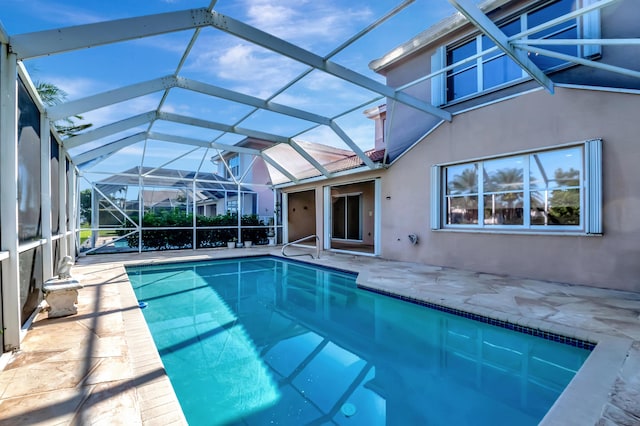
x=101, y=366
x=186, y=131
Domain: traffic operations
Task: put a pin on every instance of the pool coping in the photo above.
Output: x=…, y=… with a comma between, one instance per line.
x=582, y=402
x=157, y=400
x=599, y=372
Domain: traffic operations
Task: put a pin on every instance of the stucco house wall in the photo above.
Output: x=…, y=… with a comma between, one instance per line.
x=533, y=120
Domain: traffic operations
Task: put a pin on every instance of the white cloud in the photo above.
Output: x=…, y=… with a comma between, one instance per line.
x=306, y=22
x=120, y=111
x=249, y=68
x=65, y=14
x=76, y=87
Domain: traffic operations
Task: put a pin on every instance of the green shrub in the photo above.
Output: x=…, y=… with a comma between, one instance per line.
x=164, y=239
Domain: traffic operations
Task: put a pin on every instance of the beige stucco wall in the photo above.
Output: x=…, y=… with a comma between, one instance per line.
x=533, y=120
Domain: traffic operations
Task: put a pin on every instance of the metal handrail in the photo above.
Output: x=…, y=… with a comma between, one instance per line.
x=295, y=244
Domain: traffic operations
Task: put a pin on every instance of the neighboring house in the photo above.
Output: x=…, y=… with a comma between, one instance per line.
x=536, y=173
x=249, y=170
x=168, y=189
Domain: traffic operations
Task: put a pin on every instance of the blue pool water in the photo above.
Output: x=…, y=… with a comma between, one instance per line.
x=264, y=341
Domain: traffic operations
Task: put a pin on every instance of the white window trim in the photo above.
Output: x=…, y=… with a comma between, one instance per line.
x=589, y=27
x=590, y=196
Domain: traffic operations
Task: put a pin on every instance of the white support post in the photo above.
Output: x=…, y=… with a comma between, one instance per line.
x=326, y=216
x=195, y=211
x=285, y=218
x=74, y=195
x=45, y=196
x=62, y=208
x=11, y=305
x=377, y=219
x=140, y=211
x=95, y=217
x=239, y=212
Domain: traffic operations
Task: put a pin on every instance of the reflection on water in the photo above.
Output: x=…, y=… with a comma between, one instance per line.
x=264, y=341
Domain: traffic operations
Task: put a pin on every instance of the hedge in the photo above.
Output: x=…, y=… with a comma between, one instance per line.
x=164, y=239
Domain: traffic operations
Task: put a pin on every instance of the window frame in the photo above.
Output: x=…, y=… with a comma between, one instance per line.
x=346, y=218
x=590, y=188
x=234, y=167
x=586, y=26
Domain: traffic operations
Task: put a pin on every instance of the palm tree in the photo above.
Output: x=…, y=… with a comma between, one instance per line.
x=464, y=183
x=52, y=95
x=507, y=179
x=565, y=201
x=463, y=209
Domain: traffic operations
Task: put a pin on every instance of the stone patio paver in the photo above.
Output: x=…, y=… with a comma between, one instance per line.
x=85, y=368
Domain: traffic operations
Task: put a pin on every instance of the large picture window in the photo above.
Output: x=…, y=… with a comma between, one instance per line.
x=551, y=190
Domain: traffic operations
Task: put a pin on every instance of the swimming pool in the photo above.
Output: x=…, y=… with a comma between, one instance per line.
x=267, y=341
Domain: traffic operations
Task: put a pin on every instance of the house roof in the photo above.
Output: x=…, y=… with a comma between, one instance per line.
x=353, y=161
x=431, y=35
x=208, y=185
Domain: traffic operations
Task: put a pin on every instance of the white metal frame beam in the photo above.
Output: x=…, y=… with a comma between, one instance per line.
x=268, y=41
x=36, y=44
x=49, y=42
x=309, y=158
x=100, y=100
x=32, y=45
x=110, y=129
x=576, y=42
x=581, y=61
x=176, y=118
x=108, y=149
x=122, y=94
x=521, y=39
x=571, y=15
x=491, y=30
x=278, y=167
x=230, y=95
x=207, y=124
x=201, y=143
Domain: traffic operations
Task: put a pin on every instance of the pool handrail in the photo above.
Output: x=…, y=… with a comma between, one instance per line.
x=295, y=244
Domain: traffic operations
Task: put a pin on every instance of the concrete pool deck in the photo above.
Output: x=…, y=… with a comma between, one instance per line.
x=100, y=366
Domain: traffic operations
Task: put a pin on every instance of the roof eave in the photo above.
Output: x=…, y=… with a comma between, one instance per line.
x=430, y=35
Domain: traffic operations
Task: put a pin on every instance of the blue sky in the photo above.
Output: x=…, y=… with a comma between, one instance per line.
x=220, y=59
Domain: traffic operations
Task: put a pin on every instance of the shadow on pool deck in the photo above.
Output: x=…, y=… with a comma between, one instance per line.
x=100, y=366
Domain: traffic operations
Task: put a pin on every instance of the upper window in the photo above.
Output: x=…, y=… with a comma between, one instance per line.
x=485, y=72
x=547, y=190
x=234, y=167
x=475, y=72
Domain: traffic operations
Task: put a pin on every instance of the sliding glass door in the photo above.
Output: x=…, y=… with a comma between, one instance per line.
x=347, y=217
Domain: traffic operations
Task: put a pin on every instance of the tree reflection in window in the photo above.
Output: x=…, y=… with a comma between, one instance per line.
x=499, y=191
x=462, y=194
x=555, y=199
x=503, y=191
